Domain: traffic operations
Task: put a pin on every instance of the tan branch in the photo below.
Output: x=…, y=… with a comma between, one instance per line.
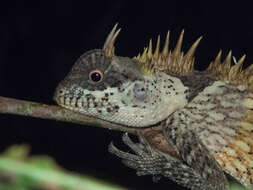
x=38, y=110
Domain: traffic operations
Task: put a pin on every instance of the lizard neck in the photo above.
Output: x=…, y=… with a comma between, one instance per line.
x=177, y=91
x=196, y=82
x=166, y=94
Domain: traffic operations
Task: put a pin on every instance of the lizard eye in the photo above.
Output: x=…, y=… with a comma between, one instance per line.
x=96, y=76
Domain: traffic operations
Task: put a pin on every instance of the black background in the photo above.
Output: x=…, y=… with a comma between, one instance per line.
x=40, y=40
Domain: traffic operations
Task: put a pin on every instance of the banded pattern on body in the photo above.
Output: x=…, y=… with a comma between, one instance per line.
x=221, y=118
x=237, y=156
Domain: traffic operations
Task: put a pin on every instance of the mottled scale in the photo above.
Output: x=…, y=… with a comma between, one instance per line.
x=221, y=116
x=237, y=156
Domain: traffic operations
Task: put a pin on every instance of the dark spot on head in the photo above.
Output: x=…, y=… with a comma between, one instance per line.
x=124, y=75
x=104, y=99
x=171, y=81
x=123, y=102
x=111, y=93
x=106, y=94
x=108, y=110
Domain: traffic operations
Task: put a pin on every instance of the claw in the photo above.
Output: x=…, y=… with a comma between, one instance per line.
x=124, y=155
x=136, y=147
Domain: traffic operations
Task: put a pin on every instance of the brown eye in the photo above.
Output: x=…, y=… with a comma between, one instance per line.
x=96, y=76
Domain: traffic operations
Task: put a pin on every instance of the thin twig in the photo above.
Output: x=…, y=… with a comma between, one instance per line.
x=38, y=110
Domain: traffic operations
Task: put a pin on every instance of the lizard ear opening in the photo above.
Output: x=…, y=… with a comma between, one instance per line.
x=110, y=40
x=140, y=91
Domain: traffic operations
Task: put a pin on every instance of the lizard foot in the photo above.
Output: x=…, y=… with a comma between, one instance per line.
x=145, y=160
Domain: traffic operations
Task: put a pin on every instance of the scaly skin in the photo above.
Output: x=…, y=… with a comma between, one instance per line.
x=206, y=116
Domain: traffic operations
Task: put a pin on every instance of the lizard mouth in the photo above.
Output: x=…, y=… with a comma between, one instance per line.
x=76, y=105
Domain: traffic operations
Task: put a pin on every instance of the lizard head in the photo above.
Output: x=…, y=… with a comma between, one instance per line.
x=120, y=89
x=115, y=89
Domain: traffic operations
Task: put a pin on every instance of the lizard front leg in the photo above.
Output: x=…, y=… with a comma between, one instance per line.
x=148, y=161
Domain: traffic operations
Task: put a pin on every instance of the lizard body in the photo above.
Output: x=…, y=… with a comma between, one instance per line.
x=206, y=116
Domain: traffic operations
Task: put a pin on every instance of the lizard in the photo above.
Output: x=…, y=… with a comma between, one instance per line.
x=206, y=117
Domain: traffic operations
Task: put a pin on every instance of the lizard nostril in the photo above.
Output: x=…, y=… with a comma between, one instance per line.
x=139, y=91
